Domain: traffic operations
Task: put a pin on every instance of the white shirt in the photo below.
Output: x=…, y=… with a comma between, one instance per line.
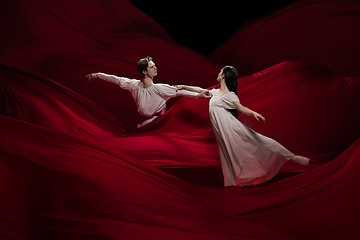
x=150, y=101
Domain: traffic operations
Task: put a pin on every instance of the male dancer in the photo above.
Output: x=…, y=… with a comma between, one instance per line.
x=150, y=97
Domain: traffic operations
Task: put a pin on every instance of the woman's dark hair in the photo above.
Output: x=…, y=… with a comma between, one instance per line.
x=142, y=65
x=231, y=82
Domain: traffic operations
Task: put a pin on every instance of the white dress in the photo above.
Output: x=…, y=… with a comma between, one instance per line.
x=150, y=101
x=247, y=157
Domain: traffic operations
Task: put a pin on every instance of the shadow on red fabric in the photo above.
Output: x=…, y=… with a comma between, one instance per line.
x=321, y=32
x=73, y=165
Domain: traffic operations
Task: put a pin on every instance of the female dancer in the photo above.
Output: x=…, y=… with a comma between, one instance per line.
x=150, y=98
x=247, y=157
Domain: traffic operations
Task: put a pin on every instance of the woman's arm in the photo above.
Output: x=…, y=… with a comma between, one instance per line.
x=190, y=88
x=248, y=111
x=167, y=91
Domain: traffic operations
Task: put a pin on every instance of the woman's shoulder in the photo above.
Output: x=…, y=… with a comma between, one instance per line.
x=231, y=96
x=214, y=91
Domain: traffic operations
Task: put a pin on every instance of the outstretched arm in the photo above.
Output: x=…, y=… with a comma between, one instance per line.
x=123, y=82
x=248, y=111
x=103, y=76
x=167, y=91
x=190, y=88
x=203, y=93
x=91, y=76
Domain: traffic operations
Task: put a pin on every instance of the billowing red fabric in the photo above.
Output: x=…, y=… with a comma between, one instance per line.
x=321, y=32
x=60, y=186
x=77, y=168
x=66, y=40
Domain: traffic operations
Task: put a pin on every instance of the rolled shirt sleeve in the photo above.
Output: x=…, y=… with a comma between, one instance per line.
x=123, y=82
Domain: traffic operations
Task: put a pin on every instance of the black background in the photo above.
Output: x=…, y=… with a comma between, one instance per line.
x=203, y=25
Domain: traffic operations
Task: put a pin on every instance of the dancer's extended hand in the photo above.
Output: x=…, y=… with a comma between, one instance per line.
x=257, y=116
x=91, y=76
x=204, y=94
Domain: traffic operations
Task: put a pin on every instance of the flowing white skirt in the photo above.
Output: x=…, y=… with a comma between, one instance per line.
x=247, y=157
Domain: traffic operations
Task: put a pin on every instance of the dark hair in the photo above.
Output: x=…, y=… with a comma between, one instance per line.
x=231, y=83
x=142, y=65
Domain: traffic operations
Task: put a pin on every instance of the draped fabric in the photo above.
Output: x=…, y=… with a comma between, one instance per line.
x=324, y=33
x=74, y=166
x=66, y=40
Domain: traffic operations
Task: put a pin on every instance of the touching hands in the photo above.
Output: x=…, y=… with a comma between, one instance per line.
x=91, y=76
x=257, y=116
x=204, y=94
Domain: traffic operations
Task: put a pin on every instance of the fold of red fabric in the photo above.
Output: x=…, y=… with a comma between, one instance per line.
x=183, y=137
x=66, y=40
x=321, y=32
x=73, y=165
x=59, y=186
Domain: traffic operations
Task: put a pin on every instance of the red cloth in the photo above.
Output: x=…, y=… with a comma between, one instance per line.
x=71, y=170
x=321, y=32
x=66, y=40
